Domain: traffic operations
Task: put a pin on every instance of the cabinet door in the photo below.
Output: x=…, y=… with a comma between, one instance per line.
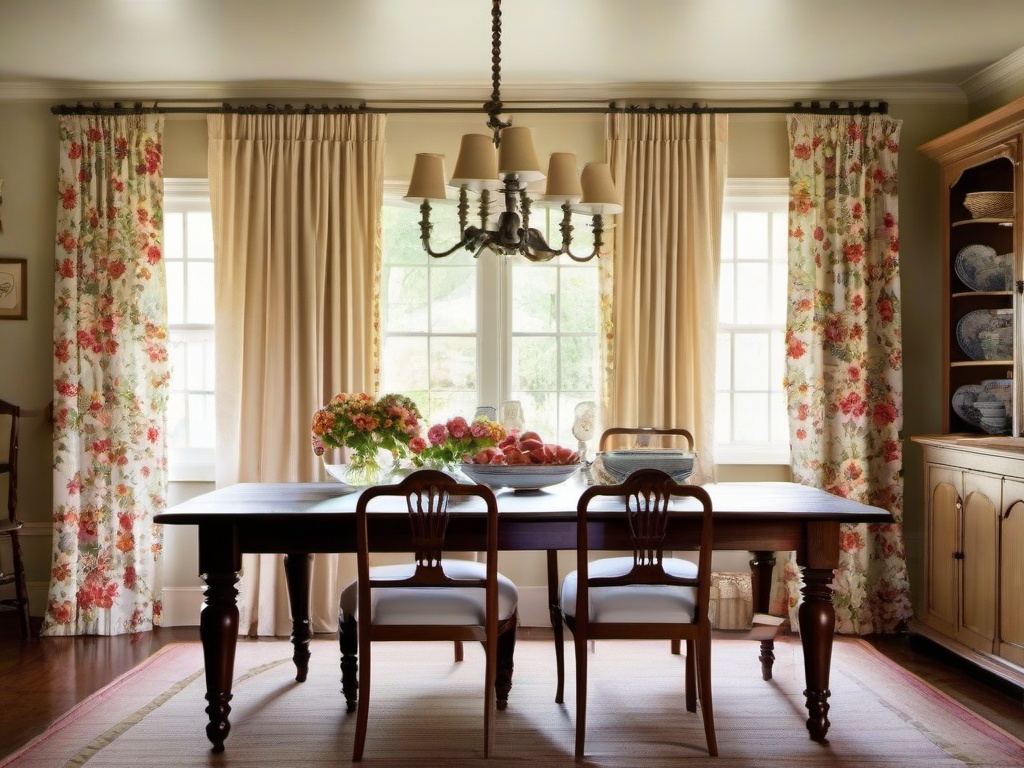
x=942, y=521
x=979, y=549
x=1011, y=574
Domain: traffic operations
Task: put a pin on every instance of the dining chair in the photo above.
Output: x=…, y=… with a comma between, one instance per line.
x=433, y=598
x=644, y=597
x=642, y=437
x=9, y=417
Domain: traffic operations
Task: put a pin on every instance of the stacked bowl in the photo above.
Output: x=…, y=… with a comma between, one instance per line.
x=622, y=463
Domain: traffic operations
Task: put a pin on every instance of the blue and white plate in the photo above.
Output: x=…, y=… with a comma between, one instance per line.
x=980, y=268
x=973, y=323
x=520, y=477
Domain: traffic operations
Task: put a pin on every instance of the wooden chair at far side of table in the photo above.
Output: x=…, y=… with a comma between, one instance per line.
x=10, y=526
x=429, y=599
x=646, y=596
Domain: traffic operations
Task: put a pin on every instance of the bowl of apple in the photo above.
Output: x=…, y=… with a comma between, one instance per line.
x=522, y=462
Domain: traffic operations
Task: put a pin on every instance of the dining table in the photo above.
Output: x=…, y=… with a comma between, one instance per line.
x=301, y=520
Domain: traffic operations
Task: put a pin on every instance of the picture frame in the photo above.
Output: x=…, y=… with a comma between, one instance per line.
x=13, y=288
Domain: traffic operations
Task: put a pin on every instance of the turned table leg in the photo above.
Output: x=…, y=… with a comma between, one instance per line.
x=298, y=567
x=817, y=617
x=762, y=566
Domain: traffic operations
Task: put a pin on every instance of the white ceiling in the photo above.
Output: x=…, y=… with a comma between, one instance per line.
x=391, y=49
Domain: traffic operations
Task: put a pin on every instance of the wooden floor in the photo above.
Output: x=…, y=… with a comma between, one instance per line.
x=43, y=678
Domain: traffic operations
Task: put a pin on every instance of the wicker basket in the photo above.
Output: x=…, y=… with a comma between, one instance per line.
x=989, y=205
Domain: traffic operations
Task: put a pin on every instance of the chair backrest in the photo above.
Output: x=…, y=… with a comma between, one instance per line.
x=643, y=435
x=645, y=498
x=426, y=494
x=9, y=416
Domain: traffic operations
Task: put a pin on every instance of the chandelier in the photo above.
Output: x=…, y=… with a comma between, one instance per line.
x=498, y=168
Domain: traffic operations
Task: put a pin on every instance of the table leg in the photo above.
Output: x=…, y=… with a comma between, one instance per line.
x=555, y=614
x=817, y=617
x=298, y=569
x=762, y=566
x=218, y=630
x=817, y=625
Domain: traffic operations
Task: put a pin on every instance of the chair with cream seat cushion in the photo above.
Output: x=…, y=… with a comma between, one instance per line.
x=644, y=596
x=433, y=598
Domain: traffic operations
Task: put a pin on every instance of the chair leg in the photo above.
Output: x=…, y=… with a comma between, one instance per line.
x=458, y=651
x=704, y=689
x=490, y=683
x=691, y=677
x=363, y=709
x=676, y=649
x=348, y=640
x=581, y=695
x=20, y=587
x=505, y=663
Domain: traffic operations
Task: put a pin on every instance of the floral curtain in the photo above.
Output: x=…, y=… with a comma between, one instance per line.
x=844, y=378
x=110, y=377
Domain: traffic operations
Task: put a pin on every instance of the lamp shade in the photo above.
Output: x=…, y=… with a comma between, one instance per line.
x=517, y=156
x=599, y=193
x=563, y=180
x=477, y=166
x=427, y=181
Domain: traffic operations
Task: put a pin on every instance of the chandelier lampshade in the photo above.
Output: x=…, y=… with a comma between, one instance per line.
x=497, y=171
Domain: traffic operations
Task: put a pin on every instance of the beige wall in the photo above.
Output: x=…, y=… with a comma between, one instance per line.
x=758, y=148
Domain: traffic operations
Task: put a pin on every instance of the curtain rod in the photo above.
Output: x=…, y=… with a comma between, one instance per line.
x=137, y=108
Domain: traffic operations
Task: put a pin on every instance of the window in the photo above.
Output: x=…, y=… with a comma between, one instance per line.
x=751, y=425
x=460, y=332
x=188, y=259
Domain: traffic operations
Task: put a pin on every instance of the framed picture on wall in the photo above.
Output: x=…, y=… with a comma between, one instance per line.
x=13, y=289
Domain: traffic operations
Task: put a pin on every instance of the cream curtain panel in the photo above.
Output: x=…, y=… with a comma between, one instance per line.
x=664, y=285
x=296, y=200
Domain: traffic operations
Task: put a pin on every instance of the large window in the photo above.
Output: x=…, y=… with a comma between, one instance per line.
x=460, y=332
x=750, y=411
x=188, y=258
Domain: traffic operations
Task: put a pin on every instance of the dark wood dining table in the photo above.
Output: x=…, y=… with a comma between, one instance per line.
x=300, y=520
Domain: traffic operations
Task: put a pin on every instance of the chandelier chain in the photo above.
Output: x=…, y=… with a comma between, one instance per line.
x=493, y=107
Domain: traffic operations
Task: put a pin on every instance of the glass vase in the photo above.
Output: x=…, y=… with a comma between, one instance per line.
x=363, y=468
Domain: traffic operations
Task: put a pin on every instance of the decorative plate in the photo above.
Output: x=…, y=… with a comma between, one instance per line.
x=980, y=268
x=622, y=463
x=963, y=404
x=520, y=477
x=974, y=323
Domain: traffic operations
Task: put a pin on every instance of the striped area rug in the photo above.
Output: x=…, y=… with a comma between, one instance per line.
x=427, y=711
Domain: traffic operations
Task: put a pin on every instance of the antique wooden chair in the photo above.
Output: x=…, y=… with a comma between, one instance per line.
x=646, y=596
x=431, y=599
x=11, y=526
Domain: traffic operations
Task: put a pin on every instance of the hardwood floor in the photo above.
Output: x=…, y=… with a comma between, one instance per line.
x=43, y=678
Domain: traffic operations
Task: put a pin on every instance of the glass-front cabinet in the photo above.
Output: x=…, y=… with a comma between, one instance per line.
x=982, y=280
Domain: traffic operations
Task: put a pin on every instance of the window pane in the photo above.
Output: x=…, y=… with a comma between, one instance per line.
x=177, y=427
x=407, y=298
x=175, y=272
x=200, y=293
x=202, y=421
x=404, y=363
x=200, y=235
x=780, y=236
x=723, y=362
x=578, y=363
x=200, y=366
x=780, y=287
x=751, y=414
x=174, y=242
x=579, y=300
x=534, y=298
x=453, y=299
x=752, y=288
x=751, y=235
x=723, y=417
x=779, y=419
x=532, y=367
x=540, y=412
x=727, y=293
x=752, y=361
x=453, y=363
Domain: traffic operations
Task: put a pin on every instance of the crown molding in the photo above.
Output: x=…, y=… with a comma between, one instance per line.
x=476, y=92
x=993, y=78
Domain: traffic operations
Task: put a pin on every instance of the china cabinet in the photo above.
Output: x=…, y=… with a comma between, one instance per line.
x=974, y=474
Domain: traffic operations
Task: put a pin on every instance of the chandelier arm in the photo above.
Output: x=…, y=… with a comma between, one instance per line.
x=597, y=224
x=463, y=210
x=426, y=227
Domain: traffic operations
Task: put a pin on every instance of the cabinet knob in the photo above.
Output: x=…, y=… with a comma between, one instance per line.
x=958, y=555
